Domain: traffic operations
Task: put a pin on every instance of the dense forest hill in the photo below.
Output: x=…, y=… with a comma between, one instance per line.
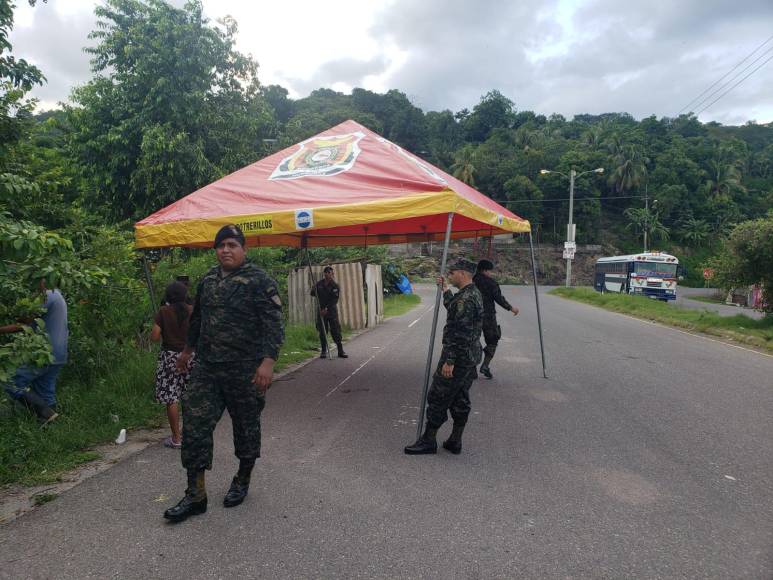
x=696, y=180
x=172, y=106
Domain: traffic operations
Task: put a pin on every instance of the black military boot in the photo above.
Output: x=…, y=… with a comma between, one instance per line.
x=484, y=370
x=425, y=445
x=454, y=442
x=323, y=354
x=240, y=484
x=341, y=353
x=37, y=405
x=194, y=502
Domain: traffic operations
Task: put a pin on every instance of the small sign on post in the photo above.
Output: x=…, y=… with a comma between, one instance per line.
x=568, y=254
x=570, y=246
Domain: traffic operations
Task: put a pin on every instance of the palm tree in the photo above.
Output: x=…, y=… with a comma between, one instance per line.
x=648, y=220
x=695, y=231
x=463, y=168
x=593, y=137
x=724, y=174
x=630, y=168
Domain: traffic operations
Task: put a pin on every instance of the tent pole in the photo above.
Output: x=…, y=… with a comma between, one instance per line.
x=149, y=282
x=438, y=295
x=318, y=318
x=536, y=300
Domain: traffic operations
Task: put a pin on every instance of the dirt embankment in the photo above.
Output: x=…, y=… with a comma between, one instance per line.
x=511, y=257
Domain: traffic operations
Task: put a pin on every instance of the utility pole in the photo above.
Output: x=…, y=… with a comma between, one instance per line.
x=569, y=246
x=570, y=226
x=646, y=216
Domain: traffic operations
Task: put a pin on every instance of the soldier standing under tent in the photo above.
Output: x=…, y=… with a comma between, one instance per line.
x=236, y=331
x=328, y=293
x=456, y=370
x=489, y=289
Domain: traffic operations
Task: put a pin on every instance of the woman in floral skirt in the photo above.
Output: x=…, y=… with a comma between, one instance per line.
x=170, y=326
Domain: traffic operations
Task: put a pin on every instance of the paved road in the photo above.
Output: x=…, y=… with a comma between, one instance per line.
x=685, y=295
x=647, y=454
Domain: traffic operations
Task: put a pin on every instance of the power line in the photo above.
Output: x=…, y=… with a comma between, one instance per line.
x=734, y=77
x=726, y=74
x=736, y=84
x=575, y=199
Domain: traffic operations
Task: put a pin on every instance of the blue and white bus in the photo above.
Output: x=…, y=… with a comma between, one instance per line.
x=651, y=274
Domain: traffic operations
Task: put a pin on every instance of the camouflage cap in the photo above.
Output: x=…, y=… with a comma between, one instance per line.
x=463, y=264
x=229, y=231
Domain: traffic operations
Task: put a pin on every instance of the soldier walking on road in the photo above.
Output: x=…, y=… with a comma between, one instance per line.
x=236, y=331
x=328, y=293
x=456, y=370
x=489, y=289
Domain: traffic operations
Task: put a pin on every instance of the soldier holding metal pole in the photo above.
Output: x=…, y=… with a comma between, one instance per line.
x=456, y=370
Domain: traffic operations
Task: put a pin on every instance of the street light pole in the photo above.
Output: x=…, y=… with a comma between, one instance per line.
x=570, y=226
x=570, y=229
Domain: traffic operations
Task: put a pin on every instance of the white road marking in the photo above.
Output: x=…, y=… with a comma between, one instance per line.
x=731, y=478
x=380, y=348
x=419, y=318
x=334, y=389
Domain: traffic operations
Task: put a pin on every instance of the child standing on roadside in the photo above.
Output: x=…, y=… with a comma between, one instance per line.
x=170, y=326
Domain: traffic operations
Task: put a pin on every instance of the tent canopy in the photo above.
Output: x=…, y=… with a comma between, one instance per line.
x=346, y=186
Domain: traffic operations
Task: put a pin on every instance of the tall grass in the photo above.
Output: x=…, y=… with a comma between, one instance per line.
x=398, y=304
x=30, y=454
x=94, y=413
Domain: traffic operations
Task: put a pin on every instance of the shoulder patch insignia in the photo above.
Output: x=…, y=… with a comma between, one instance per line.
x=276, y=299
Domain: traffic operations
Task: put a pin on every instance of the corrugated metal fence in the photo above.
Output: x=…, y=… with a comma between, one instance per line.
x=352, y=309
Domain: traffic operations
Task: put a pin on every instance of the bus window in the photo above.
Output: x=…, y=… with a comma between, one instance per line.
x=655, y=269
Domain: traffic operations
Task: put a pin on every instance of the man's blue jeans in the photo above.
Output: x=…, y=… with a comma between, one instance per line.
x=40, y=380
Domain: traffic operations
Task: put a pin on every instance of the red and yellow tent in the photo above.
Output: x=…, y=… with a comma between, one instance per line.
x=346, y=186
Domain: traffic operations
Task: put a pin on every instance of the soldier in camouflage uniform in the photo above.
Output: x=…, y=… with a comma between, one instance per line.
x=456, y=370
x=236, y=331
x=492, y=295
x=327, y=293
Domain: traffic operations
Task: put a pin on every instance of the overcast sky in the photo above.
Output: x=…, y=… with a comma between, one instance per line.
x=551, y=56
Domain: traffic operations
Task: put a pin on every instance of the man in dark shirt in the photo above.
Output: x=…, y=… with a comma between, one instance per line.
x=450, y=390
x=236, y=331
x=492, y=295
x=328, y=293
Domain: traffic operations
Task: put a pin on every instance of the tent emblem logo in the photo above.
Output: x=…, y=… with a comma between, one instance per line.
x=320, y=157
x=500, y=219
x=304, y=219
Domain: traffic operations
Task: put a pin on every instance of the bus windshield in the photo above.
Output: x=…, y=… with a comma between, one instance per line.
x=655, y=269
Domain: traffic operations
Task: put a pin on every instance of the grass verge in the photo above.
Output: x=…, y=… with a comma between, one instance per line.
x=398, y=304
x=739, y=328
x=92, y=414
x=707, y=299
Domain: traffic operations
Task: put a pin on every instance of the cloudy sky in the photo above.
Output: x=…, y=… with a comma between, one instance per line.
x=550, y=56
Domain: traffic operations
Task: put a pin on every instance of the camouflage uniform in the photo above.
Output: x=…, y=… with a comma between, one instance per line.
x=492, y=295
x=236, y=322
x=461, y=348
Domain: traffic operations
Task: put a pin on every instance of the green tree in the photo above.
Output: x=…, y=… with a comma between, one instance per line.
x=525, y=198
x=17, y=77
x=746, y=258
x=172, y=106
x=630, y=168
x=648, y=220
x=694, y=231
x=493, y=111
x=464, y=165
